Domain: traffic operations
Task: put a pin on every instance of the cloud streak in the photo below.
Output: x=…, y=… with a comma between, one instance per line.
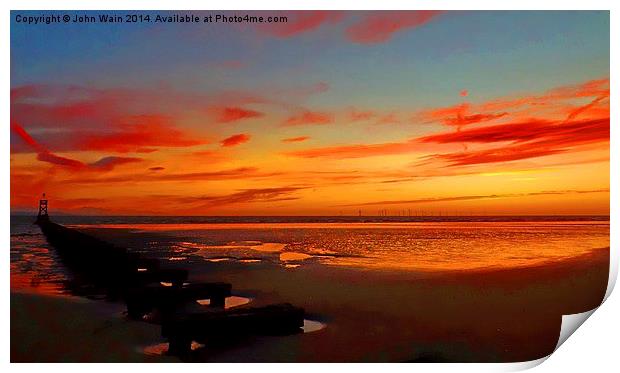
x=309, y=118
x=300, y=22
x=235, y=140
x=235, y=114
x=296, y=139
x=257, y=195
x=45, y=155
x=380, y=26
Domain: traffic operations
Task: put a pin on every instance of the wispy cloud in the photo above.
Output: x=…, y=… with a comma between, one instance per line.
x=202, y=176
x=296, y=139
x=509, y=140
x=257, y=195
x=309, y=118
x=143, y=133
x=551, y=105
x=235, y=140
x=45, y=155
x=300, y=22
x=356, y=151
x=521, y=140
x=380, y=26
x=235, y=114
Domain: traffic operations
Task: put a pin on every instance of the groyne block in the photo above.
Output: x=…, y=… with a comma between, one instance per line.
x=276, y=319
x=142, y=300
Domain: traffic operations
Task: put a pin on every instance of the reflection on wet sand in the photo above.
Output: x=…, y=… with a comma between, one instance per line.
x=397, y=315
x=293, y=256
x=419, y=246
x=34, y=267
x=162, y=348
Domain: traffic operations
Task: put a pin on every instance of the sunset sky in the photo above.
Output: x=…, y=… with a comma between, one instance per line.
x=331, y=113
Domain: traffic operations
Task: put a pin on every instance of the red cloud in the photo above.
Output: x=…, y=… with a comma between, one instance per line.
x=309, y=117
x=140, y=133
x=300, y=22
x=526, y=140
x=591, y=88
x=520, y=139
x=93, y=119
x=464, y=93
x=565, y=101
x=556, y=96
x=581, y=109
x=234, y=114
x=462, y=120
x=575, y=132
x=122, y=120
x=44, y=155
x=502, y=154
x=458, y=115
x=378, y=27
x=235, y=140
x=21, y=132
x=296, y=139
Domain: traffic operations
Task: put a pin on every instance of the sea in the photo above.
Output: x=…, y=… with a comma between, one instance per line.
x=383, y=243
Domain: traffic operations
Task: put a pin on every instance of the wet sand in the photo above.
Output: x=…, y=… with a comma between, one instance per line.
x=371, y=316
x=57, y=328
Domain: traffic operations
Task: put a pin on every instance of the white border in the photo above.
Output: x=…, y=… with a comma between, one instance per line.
x=594, y=347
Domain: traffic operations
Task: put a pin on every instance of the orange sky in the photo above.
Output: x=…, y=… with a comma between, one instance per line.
x=313, y=146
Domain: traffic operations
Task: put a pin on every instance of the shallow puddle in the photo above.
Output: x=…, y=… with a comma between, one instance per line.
x=160, y=349
x=169, y=284
x=313, y=326
x=229, y=302
x=269, y=247
x=293, y=256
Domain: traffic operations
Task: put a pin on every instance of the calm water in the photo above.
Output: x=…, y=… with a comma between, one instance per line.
x=403, y=243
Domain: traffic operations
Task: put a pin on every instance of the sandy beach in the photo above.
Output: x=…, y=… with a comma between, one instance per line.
x=370, y=315
x=58, y=328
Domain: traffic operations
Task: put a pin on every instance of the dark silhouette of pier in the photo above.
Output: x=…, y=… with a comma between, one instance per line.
x=149, y=288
